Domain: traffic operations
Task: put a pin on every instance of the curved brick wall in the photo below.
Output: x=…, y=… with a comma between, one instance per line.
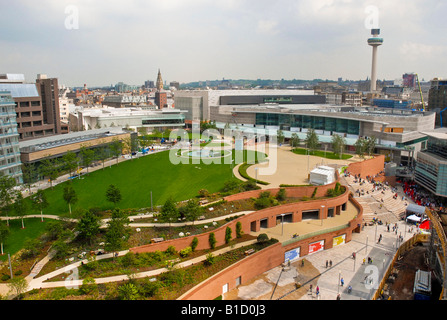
x=368, y=167
x=255, y=217
x=264, y=260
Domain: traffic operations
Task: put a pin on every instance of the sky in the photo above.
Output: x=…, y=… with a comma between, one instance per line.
x=103, y=42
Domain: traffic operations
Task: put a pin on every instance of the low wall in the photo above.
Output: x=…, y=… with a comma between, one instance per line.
x=368, y=167
x=264, y=260
x=252, y=220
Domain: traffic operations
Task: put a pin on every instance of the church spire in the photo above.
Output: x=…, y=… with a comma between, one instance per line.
x=159, y=84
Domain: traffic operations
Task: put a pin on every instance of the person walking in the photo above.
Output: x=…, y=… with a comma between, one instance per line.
x=317, y=291
x=342, y=282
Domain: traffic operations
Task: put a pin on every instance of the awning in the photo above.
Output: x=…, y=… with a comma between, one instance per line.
x=414, y=218
x=414, y=208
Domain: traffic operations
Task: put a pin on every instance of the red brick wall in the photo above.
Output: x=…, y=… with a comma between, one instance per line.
x=368, y=167
x=263, y=261
x=269, y=213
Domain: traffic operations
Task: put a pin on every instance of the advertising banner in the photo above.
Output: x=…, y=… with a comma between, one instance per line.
x=339, y=240
x=292, y=255
x=316, y=246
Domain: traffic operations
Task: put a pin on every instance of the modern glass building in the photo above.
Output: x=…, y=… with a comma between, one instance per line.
x=431, y=167
x=10, y=164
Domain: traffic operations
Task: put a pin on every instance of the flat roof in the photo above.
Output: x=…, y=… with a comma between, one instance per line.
x=20, y=90
x=69, y=138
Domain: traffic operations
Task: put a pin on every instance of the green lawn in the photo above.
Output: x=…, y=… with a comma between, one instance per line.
x=17, y=237
x=136, y=179
x=319, y=153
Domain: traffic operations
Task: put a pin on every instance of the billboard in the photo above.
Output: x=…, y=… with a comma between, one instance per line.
x=292, y=255
x=316, y=246
x=339, y=240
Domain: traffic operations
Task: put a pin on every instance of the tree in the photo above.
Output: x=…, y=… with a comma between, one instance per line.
x=360, y=147
x=117, y=231
x=39, y=201
x=194, y=243
x=131, y=144
x=280, y=136
x=20, y=206
x=338, y=144
x=228, y=235
x=281, y=195
x=169, y=211
x=116, y=148
x=239, y=231
x=113, y=194
x=87, y=156
x=312, y=140
x=18, y=284
x=7, y=185
x=370, y=145
x=50, y=168
x=128, y=291
x=192, y=210
x=88, y=226
x=4, y=233
x=295, y=140
x=70, y=196
x=212, y=240
x=71, y=161
x=29, y=174
x=102, y=154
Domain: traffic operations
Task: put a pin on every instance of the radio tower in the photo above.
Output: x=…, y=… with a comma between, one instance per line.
x=374, y=42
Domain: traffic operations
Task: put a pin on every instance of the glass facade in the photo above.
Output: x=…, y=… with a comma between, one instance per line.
x=430, y=170
x=305, y=121
x=10, y=163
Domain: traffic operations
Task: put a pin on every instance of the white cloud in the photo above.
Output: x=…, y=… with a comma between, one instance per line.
x=268, y=27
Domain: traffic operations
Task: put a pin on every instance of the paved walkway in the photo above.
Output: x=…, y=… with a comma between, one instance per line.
x=353, y=272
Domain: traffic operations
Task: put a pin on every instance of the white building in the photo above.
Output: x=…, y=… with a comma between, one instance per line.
x=133, y=118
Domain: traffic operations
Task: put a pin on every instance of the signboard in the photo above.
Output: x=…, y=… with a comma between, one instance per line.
x=292, y=255
x=339, y=240
x=316, y=246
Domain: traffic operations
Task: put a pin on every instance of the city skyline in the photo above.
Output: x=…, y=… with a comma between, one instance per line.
x=105, y=42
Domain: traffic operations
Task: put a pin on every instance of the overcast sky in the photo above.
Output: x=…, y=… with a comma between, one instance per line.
x=102, y=42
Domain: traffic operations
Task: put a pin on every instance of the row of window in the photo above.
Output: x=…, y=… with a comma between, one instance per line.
x=305, y=121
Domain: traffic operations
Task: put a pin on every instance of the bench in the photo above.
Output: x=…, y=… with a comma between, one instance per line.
x=201, y=218
x=155, y=240
x=202, y=202
x=250, y=251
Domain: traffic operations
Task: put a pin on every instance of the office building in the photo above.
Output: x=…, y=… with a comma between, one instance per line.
x=48, y=89
x=134, y=118
x=199, y=102
x=10, y=164
x=32, y=115
x=437, y=100
x=431, y=166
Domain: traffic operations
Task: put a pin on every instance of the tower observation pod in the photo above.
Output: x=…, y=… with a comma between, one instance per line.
x=374, y=42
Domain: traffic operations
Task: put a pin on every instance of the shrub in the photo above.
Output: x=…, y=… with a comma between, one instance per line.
x=212, y=240
x=194, y=243
x=228, y=232
x=209, y=261
x=128, y=259
x=185, y=252
x=239, y=231
x=281, y=195
x=262, y=203
x=203, y=193
x=314, y=193
x=170, y=250
x=263, y=237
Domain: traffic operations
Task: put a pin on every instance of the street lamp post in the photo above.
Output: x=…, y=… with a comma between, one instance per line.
x=322, y=208
x=282, y=223
x=256, y=171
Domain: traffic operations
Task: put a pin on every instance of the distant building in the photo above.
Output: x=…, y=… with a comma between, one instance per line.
x=34, y=118
x=159, y=83
x=148, y=84
x=133, y=118
x=409, y=80
x=161, y=99
x=49, y=92
x=431, y=166
x=10, y=164
x=174, y=84
x=437, y=100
